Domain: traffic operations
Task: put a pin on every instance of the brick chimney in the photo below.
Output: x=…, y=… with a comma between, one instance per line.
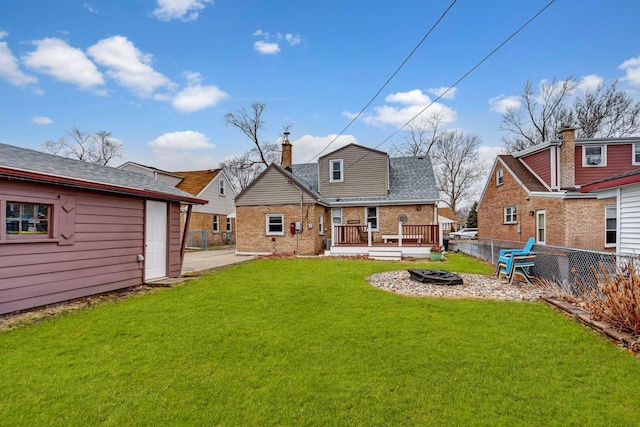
x=286, y=152
x=568, y=157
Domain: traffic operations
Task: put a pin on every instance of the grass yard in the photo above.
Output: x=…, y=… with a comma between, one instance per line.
x=309, y=342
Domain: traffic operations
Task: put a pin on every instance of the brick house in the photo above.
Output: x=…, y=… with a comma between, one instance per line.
x=296, y=208
x=216, y=218
x=537, y=192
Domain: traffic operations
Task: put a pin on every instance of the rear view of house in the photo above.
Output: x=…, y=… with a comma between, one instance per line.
x=70, y=229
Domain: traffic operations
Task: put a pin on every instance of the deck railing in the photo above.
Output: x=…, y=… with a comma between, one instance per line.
x=408, y=235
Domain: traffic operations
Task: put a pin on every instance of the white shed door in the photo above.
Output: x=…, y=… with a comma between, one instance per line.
x=156, y=241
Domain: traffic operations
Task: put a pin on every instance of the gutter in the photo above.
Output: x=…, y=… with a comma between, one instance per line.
x=94, y=185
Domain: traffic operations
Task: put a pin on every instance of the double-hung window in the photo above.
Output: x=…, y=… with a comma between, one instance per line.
x=216, y=223
x=499, y=176
x=321, y=224
x=275, y=224
x=28, y=219
x=610, y=226
x=594, y=155
x=336, y=216
x=510, y=214
x=636, y=154
x=222, y=187
x=336, y=170
x=371, y=214
x=228, y=224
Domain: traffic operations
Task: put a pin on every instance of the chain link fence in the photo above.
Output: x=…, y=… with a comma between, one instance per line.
x=568, y=267
x=203, y=239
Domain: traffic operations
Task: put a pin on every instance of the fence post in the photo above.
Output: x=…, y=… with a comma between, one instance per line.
x=399, y=234
x=368, y=234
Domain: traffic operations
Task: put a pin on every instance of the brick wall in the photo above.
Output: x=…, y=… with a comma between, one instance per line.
x=577, y=223
x=251, y=232
x=204, y=221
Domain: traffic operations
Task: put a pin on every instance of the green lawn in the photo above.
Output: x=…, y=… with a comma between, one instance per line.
x=309, y=342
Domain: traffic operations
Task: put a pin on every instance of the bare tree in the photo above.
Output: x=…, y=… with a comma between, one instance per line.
x=100, y=148
x=605, y=112
x=243, y=169
x=421, y=136
x=539, y=115
x=458, y=166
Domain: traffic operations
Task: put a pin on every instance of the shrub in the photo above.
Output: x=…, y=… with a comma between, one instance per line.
x=616, y=300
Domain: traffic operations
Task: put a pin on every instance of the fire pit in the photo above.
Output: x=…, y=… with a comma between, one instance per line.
x=435, y=277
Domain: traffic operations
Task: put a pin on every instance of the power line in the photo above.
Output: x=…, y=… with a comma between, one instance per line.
x=458, y=81
x=386, y=83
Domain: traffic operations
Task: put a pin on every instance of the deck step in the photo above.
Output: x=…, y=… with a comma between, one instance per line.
x=386, y=255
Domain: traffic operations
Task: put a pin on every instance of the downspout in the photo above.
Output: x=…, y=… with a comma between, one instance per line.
x=185, y=234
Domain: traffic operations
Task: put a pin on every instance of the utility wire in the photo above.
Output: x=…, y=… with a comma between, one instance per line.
x=457, y=81
x=386, y=83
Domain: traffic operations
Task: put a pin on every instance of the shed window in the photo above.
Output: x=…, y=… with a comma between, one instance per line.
x=510, y=215
x=275, y=224
x=594, y=155
x=499, y=176
x=28, y=219
x=336, y=170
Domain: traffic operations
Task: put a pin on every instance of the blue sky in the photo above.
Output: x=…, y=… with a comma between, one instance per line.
x=161, y=74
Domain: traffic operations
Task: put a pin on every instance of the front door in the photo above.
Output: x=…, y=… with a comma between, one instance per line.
x=155, y=241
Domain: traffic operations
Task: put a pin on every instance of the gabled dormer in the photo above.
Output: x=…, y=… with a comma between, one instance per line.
x=354, y=171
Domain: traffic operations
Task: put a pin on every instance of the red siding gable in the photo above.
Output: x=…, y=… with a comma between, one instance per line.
x=540, y=163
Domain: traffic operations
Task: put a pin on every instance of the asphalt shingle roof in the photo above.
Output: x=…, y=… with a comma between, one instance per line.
x=410, y=179
x=196, y=181
x=27, y=160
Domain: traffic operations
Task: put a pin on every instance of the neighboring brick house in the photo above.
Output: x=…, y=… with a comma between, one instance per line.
x=216, y=219
x=537, y=192
x=449, y=221
x=291, y=209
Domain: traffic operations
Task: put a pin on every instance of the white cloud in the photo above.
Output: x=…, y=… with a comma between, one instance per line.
x=632, y=68
x=183, y=140
x=307, y=146
x=194, y=98
x=41, y=120
x=128, y=66
x=185, y=10
x=90, y=8
x=590, y=82
x=293, y=40
x=412, y=103
x=502, y=103
x=56, y=58
x=183, y=151
x=266, y=47
x=9, y=66
x=444, y=92
x=488, y=153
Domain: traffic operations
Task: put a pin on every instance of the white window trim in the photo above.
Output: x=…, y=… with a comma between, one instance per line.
x=499, y=177
x=544, y=214
x=633, y=153
x=332, y=216
x=216, y=223
x=606, y=208
x=514, y=212
x=604, y=156
x=321, y=224
x=222, y=189
x=377, y=228
x=229, y=225
x=274, y=233
x=331, y=163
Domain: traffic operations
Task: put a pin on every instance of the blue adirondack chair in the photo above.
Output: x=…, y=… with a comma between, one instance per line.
x=513, y=262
